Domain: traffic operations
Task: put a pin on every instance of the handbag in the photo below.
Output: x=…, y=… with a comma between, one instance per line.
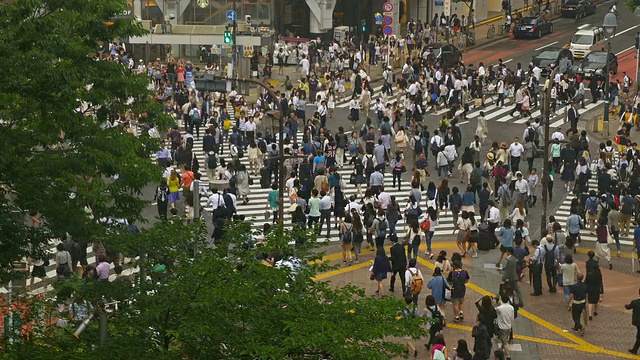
x=372, y=276
x=447, y=292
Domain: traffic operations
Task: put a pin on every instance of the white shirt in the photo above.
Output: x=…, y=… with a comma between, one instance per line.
x=409, y=274
x=505, y=316
x=383, y=200
x=494, y=215
x=558, y=135
x=522, y=186
x=214, y=200
x=304, y=63
x=353, y=205
x=250, y=126
x=516, y=149
x=536, y=72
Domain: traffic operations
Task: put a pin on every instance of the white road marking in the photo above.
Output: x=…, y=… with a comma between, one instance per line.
x=542, y=47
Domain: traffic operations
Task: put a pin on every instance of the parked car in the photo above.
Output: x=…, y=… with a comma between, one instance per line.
x=596, y=63
x=532, y=27
x=550, y=57
x=577, y=8
x=447, y=54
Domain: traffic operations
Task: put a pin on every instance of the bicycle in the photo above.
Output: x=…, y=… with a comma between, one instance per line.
x=491, y=32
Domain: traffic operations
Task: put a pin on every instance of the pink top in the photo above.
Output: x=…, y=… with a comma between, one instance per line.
x=103, y=270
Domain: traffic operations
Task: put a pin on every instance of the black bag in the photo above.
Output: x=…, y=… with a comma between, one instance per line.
x=549, y=257
x=485, y=240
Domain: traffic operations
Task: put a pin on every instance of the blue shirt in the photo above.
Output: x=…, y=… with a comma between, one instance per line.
x=163, y=153
x=506, y=236
x=468, y=198
x=573, y=224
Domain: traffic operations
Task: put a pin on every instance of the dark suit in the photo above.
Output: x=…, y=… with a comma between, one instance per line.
x=574, y=116
x=398, y=264
x=510, y=276
x=635, y=320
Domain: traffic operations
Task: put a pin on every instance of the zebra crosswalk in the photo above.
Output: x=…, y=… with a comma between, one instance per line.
x=254, y=210
x=563, y=212
x=491, y=111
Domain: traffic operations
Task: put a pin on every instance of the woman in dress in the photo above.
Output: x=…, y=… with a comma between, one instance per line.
x=381, y=266
x=438, y=283
x=242, y=177
x=180, y=79
x=464, y=227
x=346, y=238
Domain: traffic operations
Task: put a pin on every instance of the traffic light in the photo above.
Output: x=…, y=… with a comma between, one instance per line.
x=227, y=37
x=363, y=25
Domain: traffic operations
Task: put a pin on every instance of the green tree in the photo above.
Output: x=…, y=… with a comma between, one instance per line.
x=632, y=4
x=56, y=159
x=225, y=303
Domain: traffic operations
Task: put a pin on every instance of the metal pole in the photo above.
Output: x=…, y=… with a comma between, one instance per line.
x=102, y=328
x=10, y=313
x=196, y=200
x=606, y=91
x=389, y=52
x=637, y=63
x=545, y=158
x=234, y=49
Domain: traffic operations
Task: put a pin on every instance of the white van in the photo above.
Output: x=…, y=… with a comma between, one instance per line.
x=590, y=38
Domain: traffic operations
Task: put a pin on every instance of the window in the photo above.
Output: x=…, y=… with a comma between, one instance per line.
x=582, y=39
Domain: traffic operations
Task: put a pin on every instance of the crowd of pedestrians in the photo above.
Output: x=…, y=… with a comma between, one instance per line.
x=390, y=138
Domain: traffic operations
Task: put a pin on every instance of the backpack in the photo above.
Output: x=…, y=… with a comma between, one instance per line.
x=437, y=320
x=627, y=207
x=475, y=178
x=233, y=182
x=592, y=205
x=347, y=237
x=605, y=211
x=455, y=202
x=530, y=136
x=382, y=225
x=505, y=197
x=518, y=235
x=369, y=168
x=426, y=225
x=457, y=280
x=550, y=257
x=434, y=148
x=240, y=151
x=417, y=146
x=195, y=116
x=212, y=162
x=416, y=283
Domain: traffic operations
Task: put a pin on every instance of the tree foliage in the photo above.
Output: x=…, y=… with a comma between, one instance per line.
x=225, y=303
x=56, y=159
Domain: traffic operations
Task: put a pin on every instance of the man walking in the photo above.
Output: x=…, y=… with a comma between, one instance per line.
x=535, y=267
x=398, y=263
x=510, y=275
x=635, y=320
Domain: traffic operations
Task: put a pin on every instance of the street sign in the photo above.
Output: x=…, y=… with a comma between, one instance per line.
x=232, y=15
x=388, y=13
x=387, y=20
x=378, y=16
x=387, y=30
x=388, y=7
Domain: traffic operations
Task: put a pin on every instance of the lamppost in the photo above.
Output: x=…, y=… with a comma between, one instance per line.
x=609, y=24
